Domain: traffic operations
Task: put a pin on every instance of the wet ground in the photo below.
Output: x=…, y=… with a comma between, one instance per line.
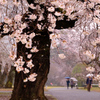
x=73, y=94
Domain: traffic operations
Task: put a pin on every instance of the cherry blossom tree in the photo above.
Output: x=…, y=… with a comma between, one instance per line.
x=33, y=32
x=89, y=39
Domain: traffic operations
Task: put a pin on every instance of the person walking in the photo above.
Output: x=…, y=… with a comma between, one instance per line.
x=89, y=82
x=67, y=83
x=72, y=83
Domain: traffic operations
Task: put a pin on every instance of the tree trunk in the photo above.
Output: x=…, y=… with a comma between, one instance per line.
x=41, y=60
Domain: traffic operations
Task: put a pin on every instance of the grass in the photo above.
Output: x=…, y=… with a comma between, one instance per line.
x=50, y=87
x=5, y=89
x=7, y=93
x=50, y=97
x=96, y=89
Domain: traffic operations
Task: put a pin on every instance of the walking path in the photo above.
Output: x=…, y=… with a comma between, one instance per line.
x=73, y=94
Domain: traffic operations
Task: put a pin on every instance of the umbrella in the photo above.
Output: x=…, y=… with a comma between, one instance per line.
x=89, y=75
x=74, y=79
x=67, y=77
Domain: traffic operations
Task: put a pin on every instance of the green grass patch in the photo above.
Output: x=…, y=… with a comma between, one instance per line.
x=96, y=89
x=50, y=87
x=50, y=97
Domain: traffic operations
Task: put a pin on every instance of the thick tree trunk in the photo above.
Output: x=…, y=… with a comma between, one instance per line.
x=41, y=60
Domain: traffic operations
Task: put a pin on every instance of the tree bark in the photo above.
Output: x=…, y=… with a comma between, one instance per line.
x=41, y=60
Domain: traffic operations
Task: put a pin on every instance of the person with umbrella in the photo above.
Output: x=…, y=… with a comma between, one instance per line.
x=67, y=81
x=72, y=83
x=89, y=81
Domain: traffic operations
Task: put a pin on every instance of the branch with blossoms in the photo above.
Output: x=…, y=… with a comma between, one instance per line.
x=89, y=39
x=40, y=20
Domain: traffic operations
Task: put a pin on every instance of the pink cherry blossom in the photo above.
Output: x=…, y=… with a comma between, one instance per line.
x=18, y=18
x=33, y=17
x=7, y=20
x=16, y=3
x=51, y=29
x=30, y=64
x=32, y=77
x=25, y=80
x=23, y=26
x=62, y=56
x=51, y=9
x=29, y=56
x=26, y=71
x=19, y=68
x=12, y=55
x=34, y=49
x=29, y=44
x=90, y=69
x=39, y=26
x=32, y=35
x=32, y=6
x=41, y=17
x=3, y=2
x=58, y=13
x=86, y=33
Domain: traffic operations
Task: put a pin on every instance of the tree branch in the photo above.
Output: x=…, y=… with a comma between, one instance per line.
x=30, y=1
x=61, y=24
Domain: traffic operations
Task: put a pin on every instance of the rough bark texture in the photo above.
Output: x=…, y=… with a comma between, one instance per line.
x=33, y=90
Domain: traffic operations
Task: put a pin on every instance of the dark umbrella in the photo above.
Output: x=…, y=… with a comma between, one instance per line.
x=67, y=77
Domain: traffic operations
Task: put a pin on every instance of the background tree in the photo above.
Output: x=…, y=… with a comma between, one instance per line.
x=79, y=72
x=89, y=39
x=5, y=61
x=64, y=67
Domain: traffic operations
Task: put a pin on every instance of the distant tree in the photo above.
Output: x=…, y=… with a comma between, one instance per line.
x=79, y=72
x=10, y=79
x=3, y=76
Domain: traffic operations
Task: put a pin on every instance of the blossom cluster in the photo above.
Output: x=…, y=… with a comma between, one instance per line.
x=90, y=69
x=55, y=40
x=4, y=2
x=85, y=33
x=97, y=41
x=89, y=54
x=97, y=77
x=62, y=56
x=32, y=77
